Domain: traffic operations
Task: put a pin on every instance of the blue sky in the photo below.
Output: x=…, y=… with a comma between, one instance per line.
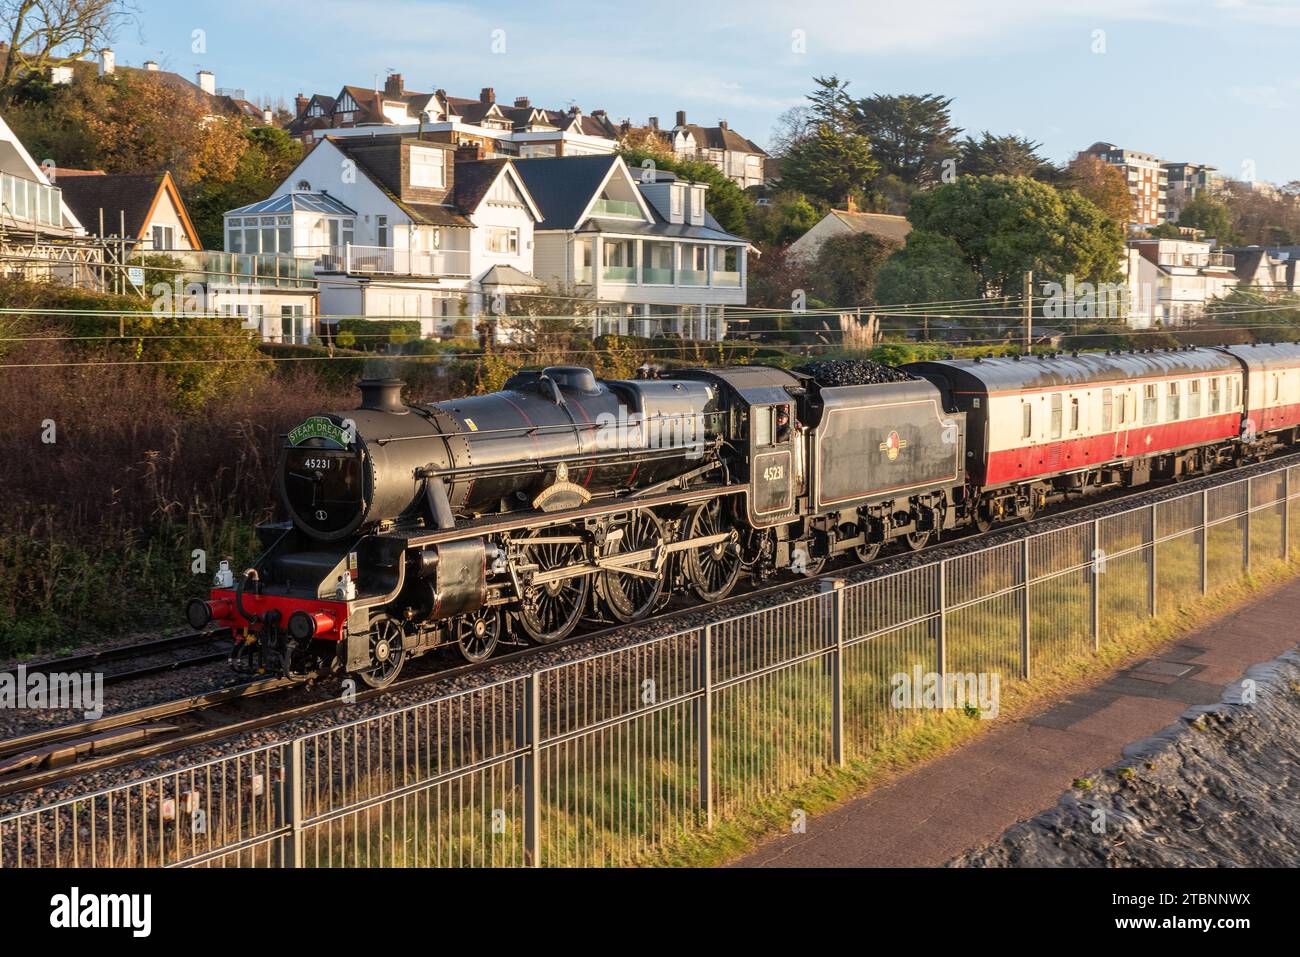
x=1214, y=81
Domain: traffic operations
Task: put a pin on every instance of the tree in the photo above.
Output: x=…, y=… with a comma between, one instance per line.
x=1205, y=212
x=724, y=199
x=48, y=33
x=1007, y=225
x=266, y=158
x=930, y=268
x=1101, y=184
x=829, y=165
x=845, y=271
x=774, y=280
x=1165, y=231
x=786, y=217
x=911, y=135
x=790, y=127
x=1006, y=155
x=830, y=104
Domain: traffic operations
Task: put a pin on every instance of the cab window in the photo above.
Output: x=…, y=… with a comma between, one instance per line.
x=762, y=426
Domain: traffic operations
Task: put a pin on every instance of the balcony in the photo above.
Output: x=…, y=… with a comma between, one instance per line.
x=27, y=201
x=618, y=208
x=653, y=276
x=693, y=277
x=622, y=274
x=387, y=261
x=721, y=278
x=234, y=269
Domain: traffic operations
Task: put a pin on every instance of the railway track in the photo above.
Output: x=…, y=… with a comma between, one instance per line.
x=167, y=654
x=57, y=754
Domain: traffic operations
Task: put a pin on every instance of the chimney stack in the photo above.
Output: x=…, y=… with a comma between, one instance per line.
x=681, y=117
x=207, y=82
x=654, y=123
x=393, y=85
x=300, y=104
x=151, y=66
x=601, y=113
x=722, y=124
x=268, y=116
x=521, y=103
x=469, y=152
x=107, y=62
x=487, y=96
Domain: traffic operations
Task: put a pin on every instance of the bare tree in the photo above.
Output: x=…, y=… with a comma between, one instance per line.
x=48, y=33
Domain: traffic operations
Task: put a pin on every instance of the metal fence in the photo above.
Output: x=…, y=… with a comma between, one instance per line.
x=606, y=760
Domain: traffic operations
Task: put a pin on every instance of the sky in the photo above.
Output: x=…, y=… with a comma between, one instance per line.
x=1206, y=81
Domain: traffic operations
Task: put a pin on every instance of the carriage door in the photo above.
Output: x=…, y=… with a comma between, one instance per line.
x=771, y=432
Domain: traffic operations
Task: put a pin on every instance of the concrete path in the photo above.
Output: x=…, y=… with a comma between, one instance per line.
x=973, y=794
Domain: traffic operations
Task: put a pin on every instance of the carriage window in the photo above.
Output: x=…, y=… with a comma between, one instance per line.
x=1074, y=415
x=1056, y=416
x=1194, y=399
x=1150, y=404
x=1236, y=393
x=1026, y=420
x=1107, y=410
x=1172, y=409
x=1214, y=395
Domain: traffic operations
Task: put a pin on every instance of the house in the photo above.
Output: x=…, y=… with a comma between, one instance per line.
x=642, y=246
x=848, y=222
x=1170, y=281
x=1148, y=182
x=40, y=236
x=740, y=159
x=498, y=128
x=398, y=229
x=1268, y=270
x=145, y=208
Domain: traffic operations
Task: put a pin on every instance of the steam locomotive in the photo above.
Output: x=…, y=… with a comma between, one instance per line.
x=514, y=516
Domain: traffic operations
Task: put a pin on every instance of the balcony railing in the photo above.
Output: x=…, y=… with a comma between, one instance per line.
x=1198, y=260
x=693, y=277
x=621, y=208
x=656, y=276
x=27, y=201
x=625, y=274
x=235, y=269
x=385, y=260
x=721, y=278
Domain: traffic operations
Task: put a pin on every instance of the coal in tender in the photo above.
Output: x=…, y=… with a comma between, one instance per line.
x=839, y=372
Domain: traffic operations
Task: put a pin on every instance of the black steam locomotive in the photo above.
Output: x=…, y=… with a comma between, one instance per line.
x=564, y=497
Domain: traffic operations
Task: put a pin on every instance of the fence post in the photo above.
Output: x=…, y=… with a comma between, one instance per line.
x=1245, y=539
x=941, y=640
x=1205, y=541
x=1025, y=671
x=1152, y=567
x=704, y=724
x=834, y=587
x=533, y=772
x=1286, y=513
x=292, y=855
x=1096, y=584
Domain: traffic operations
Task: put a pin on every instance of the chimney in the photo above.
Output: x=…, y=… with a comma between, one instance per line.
x=393, y=85
x=487, y=96
x=469, y=152
x=207, y=82
x=151, y=66
x=575, y=110
x=268, y=116
x=722, y=124
x=60, y=75
x=107, y=62
x=300, y=104
x=382, y=395
x=654, y=122
x=681, y=117
x=521, y=103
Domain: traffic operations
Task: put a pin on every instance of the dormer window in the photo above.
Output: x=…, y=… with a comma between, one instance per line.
x=427, y=168
x=677, y=192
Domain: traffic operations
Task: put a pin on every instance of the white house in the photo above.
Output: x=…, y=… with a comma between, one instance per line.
x=849, y=222
x=1170, y=281
x=35, y=220
x=144, y=208
x=641, y=245
x=398, y=229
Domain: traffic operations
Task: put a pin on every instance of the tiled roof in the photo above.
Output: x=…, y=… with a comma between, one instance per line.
x=124, y=196
x=887, y=227
x=563, y=186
